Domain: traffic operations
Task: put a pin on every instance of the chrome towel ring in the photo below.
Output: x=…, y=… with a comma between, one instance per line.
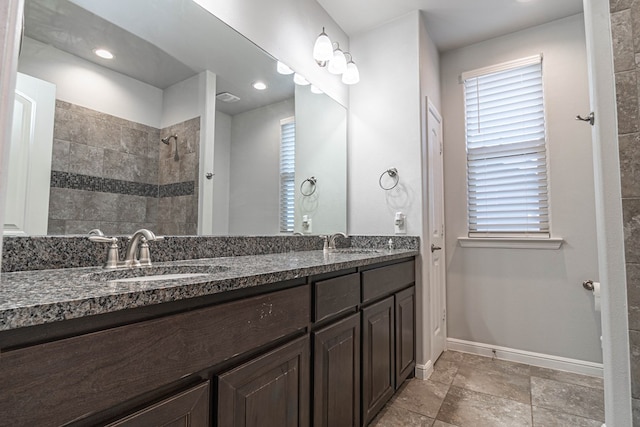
x=312, y=184
x=393, y=174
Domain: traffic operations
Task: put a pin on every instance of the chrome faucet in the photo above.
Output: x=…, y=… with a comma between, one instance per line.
x=330, y=241
x=139, y=238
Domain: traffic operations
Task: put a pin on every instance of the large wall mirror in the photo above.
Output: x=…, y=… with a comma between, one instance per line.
x=170, y=134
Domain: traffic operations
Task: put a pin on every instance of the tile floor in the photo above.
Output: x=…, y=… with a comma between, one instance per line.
x=473, y=391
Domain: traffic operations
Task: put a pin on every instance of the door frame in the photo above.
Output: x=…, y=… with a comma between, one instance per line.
x=11, y=16
x=609, y=223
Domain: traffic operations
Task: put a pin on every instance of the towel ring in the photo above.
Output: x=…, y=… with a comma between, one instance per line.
x=312, y=183
x=393, y=173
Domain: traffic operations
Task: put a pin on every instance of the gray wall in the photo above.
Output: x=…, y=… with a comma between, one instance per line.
x=321, y=151
x=625, y=25
x=528, y=299
x=255, y=169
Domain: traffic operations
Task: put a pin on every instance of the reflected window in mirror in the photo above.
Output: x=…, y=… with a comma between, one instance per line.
x=287, y=174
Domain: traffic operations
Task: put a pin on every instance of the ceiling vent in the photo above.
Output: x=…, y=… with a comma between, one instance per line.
x=227, y=97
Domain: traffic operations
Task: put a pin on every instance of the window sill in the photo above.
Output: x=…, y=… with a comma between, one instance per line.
x=510, y=243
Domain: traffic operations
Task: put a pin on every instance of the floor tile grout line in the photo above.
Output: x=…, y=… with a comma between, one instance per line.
x=567, y=382
x=531, y=399
x=556, y=411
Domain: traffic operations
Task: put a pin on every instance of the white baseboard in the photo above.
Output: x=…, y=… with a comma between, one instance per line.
x=423, y=372
x=530, y=358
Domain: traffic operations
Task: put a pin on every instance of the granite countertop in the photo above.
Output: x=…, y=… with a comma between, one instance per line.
x=29, y=298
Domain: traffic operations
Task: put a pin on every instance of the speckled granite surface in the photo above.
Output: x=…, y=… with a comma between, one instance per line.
x=50, y=252
x=29, y=298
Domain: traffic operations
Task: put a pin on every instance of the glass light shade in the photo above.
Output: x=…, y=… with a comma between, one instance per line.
x=300, y=80
x=283, y=68
x=323, y=48
x=352, y=75
x=316, y=90
x=338, y=64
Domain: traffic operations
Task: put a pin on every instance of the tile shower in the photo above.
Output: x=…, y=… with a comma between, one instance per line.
x=625, y=26
x=116, y=175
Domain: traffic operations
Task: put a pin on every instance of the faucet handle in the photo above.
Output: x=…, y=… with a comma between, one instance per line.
x=325, y=239
x=98, y=236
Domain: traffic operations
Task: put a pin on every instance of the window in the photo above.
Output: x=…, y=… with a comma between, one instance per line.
x=287, y=174
x=506, y=151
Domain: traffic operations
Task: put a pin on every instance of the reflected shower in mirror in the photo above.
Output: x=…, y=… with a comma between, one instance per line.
x=108, y=166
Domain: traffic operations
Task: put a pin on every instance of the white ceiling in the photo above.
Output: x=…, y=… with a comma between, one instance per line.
x=160, y=42
x=452, y=23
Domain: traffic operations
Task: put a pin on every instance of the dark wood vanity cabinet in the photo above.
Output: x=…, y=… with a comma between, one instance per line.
x=324, y=351
x=378, y=356
x=271, y=390
x=189, y=408
x=405, y=309
x=336, y=351
x=336, y=374
x=388, y=333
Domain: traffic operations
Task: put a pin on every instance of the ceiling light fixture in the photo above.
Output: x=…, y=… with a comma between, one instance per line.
x=328, y=54
x=103, y=53
x=337, y=64
x=259, y=86
x=323, y=49
x=351, y=75
x=283, y=68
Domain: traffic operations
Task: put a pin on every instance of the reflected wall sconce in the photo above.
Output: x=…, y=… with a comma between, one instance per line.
x=328, y=54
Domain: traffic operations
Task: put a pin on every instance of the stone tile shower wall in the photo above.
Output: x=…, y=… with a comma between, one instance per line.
x=105, y=173
x=177, y=212
x=625, y=26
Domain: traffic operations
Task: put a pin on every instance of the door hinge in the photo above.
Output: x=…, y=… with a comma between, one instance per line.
x=444, y=315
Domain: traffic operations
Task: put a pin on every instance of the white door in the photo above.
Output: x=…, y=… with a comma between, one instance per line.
x=615, y=338
x=435, y=236
x=27, y=203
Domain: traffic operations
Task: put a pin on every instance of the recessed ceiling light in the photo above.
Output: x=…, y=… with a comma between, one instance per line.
x=259, y=86
x=103, y=53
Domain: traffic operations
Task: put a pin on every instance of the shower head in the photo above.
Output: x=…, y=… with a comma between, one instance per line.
x=166, y=139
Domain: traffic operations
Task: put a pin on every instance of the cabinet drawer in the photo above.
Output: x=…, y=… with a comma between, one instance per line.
x=335, y=295
x=383, y=281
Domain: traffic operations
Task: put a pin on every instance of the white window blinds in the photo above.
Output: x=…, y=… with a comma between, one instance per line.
x=287, y=174
x=506, y=151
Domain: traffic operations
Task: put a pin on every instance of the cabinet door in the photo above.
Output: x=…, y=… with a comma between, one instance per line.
x=405, y=334
x=269, y=391
x=187, y=409
x=378, y=353
x=336, y=373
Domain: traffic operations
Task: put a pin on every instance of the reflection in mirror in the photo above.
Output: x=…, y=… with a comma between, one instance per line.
x=109, y=167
